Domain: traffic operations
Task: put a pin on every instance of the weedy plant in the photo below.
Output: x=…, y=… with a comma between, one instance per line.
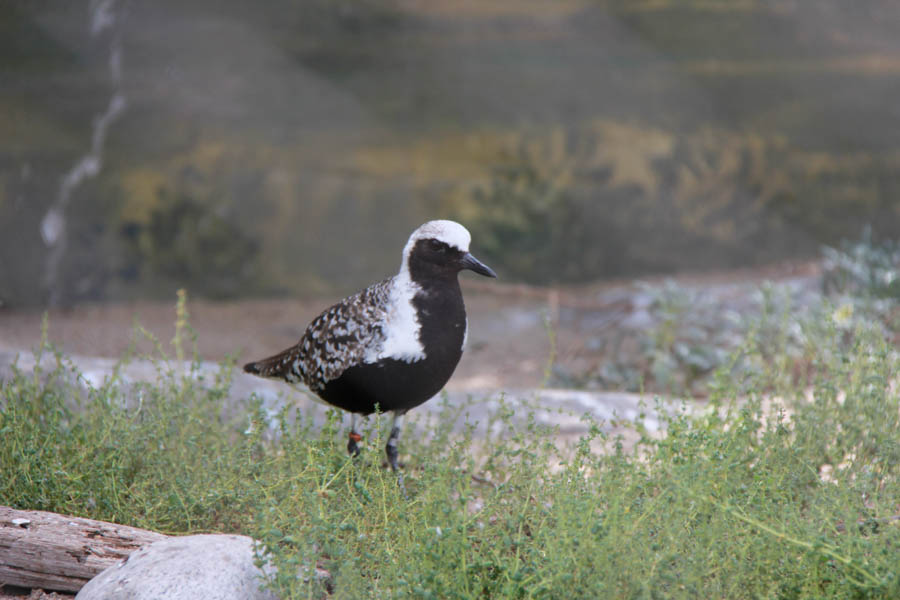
x=864, y=267
x=693, y=332
x=775, y=490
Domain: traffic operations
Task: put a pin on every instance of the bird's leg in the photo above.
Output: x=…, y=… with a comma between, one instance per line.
x=352, y=447
x=391, y=449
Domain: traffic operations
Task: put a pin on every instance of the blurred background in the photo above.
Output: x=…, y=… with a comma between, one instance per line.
x=287, y=148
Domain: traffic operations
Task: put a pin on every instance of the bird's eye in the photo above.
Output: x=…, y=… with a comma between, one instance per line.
x=437, y=246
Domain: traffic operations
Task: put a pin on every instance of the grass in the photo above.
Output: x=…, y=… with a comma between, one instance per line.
x=777, y=490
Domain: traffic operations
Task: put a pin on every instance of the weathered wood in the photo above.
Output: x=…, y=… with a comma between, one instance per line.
x=55, y=552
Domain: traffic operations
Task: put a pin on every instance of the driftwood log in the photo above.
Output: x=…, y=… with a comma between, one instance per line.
x=55, y=552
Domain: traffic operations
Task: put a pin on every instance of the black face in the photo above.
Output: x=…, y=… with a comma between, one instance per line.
x=434, y=259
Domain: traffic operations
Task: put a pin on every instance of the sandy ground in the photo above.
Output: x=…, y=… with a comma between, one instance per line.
x=510, y=326
x=508, y=342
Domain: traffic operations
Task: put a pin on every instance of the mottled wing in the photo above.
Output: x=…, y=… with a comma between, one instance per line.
x=334, y=341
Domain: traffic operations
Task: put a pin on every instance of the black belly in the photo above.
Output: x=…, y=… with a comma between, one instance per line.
x=390, y=384
x=399, y=385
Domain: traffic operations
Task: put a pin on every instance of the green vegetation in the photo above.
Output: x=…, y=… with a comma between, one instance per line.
x=695, y=331
x=782, y=487
x=184, y=241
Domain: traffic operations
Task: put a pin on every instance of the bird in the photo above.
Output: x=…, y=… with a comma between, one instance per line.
x=393, y=345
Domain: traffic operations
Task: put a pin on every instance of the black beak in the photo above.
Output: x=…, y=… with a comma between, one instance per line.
x=473, y=264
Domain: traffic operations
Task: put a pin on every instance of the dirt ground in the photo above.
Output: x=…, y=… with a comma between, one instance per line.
x=511, y=349
x=514, y=330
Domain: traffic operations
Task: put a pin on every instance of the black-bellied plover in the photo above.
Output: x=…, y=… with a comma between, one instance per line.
x=393, y=345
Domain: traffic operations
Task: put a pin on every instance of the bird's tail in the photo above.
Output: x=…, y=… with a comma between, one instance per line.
x=280, y=366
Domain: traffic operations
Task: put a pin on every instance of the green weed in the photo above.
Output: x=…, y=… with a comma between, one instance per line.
x=694, y=332
x=753, y=498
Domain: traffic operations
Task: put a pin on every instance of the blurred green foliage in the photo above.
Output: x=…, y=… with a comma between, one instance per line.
x=186, y=241
x=570, y=206
x=531, y=227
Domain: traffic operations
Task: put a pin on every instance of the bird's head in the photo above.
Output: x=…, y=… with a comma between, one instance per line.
x=440, y=249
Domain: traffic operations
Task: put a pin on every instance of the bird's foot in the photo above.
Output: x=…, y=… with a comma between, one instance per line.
x=401, y=485
x=353, y=444
x=393, y=455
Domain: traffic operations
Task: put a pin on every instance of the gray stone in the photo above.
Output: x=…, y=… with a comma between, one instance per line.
x=195, y=567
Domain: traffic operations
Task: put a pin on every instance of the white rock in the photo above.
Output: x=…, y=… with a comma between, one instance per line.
x=192, y=567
